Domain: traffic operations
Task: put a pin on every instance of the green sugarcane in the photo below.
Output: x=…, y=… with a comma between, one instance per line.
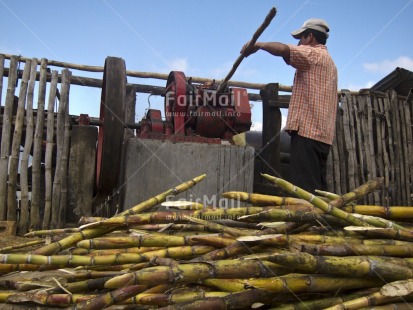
x=294, y=283
x=46, y=299
x=385, y=233
x=194, y=272
x=326, y=207
x=350, y=266
x=264, y=200
x=358, y=193
x=160, y=240
x=354, y=249
x=390, y=212
x=235, y=232
x=81, y=251
x=23, y=245
x=69, y=241
x=174, y=216
x=294, y=216
x=316, y=304
x=240, y=300
x=371, y=300
x=51, y=232
x=91, y=274
x=114, y=297
x=162, y=300
x=82, y=286
x=6, y=268
x=239, y=247
x=117, y=259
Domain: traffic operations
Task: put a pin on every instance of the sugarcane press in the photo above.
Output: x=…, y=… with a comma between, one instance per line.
x=197, y=113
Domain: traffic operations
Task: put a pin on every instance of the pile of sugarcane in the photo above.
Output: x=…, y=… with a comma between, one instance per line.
x=298, y=252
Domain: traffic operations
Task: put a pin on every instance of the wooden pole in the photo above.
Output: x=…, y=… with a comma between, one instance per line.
x=60, y=128
x=1, y=76
x=145, y=75
x=6, y=135
x=49, y=151
x=35, y=221
x=15, y=150
x=65, y=160
x=24, y=177
x=250, y=45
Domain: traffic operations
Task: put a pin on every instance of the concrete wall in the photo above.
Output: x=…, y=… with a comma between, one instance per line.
x=152, y=166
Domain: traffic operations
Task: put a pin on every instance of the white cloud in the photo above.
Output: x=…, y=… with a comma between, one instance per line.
x=387, y=66
x=356, y=87
x=178, y=64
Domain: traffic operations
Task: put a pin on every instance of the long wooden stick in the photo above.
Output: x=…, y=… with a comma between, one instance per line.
x=237, y=62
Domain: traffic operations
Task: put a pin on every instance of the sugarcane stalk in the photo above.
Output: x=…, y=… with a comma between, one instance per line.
x=239, y=300
x=114, y=297
x=365, y=301
x=385, y=233
x=358, y=193
x=193, y=272
x=240, y=247
x=162, y=300
x=316, y=304
x=397, y=288
x=220, y=228
x=294, y=283
x=86, y=275
x=354, y=249
x=326, y=207
x=350, y=266
x=160, y=240
x=23, y=245
x=386, y=212
x=146, y=205
x=36, y=233
x=174, y=216
x=265, y=200
x=45, y=299
x=294, y=216
x=69, y=241
x=79, y=251
x=117, y=259
x=374, y=220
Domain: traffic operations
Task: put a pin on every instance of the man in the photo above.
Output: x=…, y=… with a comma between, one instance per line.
x=313, y=106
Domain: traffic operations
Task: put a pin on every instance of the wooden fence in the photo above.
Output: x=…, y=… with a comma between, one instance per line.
x=373, y=138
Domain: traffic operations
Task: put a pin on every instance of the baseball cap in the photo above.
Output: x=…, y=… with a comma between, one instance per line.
x=312, y=23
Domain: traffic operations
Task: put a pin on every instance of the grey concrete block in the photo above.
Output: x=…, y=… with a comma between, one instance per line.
x=153, y=166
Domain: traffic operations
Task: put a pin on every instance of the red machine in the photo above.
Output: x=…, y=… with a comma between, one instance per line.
x=197, y=113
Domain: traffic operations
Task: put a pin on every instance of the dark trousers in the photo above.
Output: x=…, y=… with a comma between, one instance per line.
x=308, y=163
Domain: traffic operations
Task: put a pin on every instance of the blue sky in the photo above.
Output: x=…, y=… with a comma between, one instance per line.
x=368, y=39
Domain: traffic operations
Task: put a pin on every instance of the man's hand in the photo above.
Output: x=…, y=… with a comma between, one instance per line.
x=249, y=49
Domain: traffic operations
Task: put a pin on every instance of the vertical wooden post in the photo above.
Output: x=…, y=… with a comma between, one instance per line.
x=37, y=194
x=271, y=128
x=15, y=150
x=130, y=110
x=81, y=175
x=1, y=76
x=6, y=135
x=24, y=167
x=60, y=143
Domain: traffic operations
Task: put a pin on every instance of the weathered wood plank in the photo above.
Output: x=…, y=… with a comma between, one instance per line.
x=35, y=219
x=24, y=168
x=15, y=148
x=49, y=151
x=60, y=141
x=6, y=136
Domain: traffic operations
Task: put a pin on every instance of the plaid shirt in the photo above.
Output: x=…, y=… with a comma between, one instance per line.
x=313, y=106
